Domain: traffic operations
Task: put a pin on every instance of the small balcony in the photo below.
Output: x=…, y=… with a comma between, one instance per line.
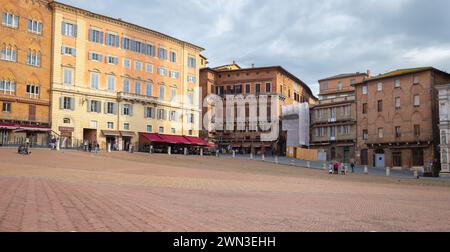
x=337, y=100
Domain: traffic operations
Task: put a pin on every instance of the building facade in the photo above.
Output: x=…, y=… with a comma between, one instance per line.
x=397, y=119
x=25, y=72
x=113, y=80
x=444, y=127
x=333, y=118
x=255, y=81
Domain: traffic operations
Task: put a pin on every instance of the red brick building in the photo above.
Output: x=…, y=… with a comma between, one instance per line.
x=397, y=118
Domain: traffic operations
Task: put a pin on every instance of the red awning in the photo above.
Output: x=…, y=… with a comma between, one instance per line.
x=8, y=126
x=175, y=139
x=197, y=141
x=35, y=128
x=153, y=137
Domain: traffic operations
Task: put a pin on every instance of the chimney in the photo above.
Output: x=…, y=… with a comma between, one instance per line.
x=369, y=73
x=253, y=65
x=234, y=62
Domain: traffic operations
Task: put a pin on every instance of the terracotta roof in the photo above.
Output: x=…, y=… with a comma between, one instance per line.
x=399, y=72
x=340, y=76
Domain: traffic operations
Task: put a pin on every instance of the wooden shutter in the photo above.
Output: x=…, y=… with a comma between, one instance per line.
x=72, y=103
x=99, y=107
x=131, y=109
x=61, y=102
x=63, y=28
x=101, y=37
x=88, y=105
x=75, y=30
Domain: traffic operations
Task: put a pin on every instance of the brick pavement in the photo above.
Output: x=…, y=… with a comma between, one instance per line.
x=74, y=191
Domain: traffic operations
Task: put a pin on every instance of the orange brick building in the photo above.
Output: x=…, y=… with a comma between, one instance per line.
x=397, y=118
x=234, y=80
x=25, y=68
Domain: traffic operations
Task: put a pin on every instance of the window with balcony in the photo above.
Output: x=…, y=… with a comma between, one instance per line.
x=10, y=20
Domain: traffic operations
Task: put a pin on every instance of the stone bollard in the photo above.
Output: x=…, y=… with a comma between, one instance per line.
x=57, y=145
x=325, y=166
x=185, y=151
x=251, y=156
x=109, y=147
x=263, y=157
x=276, y=159
x=308, y=164
x=366, y=169
x=169, y=150
x=201, y=152
x=388, y=171
x=151, y=149
x=217, y=153
x=234, y=154
x=416, y=173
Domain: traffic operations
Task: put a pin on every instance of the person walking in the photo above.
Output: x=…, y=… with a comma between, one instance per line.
x=352, y=165
x=86, y=143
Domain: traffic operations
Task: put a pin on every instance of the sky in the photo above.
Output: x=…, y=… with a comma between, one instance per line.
x=312, y=39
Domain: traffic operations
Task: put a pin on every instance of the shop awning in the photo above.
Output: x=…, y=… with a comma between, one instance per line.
x=153, y=137
x=197, y=141
x=110, y=133
x=9, y=126
x=175, y=139
x=127, y=133
x=32, y=128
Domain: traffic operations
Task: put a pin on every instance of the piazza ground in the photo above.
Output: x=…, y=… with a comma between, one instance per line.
x=76, y=191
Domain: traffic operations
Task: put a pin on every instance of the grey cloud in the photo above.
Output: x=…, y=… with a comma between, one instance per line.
x=311, y=38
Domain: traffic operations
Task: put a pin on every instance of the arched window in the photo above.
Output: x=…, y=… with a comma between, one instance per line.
x=66, y=121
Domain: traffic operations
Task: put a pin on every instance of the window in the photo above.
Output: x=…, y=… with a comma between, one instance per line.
x=138, y=65
x=32, y=91
x=66, y=121
x=247, y=89
x=380, y=106
x=161, y=114
x=324, y=86
x=345, y=129
x=95, y=80
x=332, y=132
x=95, y=36
x=95, y=56
x=174, y=131
x=380, y=133
x=65, y=50
x=268, y=87
x=9, y=53
x=112, y=60
x=126, y=126
x=398, y=131
x=192, y=62
x=397, y=159
x=345, y=111
x=69, y=29
x=397, y=103
x=191, y=118
x=150, y=50
x=173, y=116
x=191, y=98
x=111, y=108
x=173, y=57
x=190, y=132
x=6, y=108
x=127, y=109
x=174, y=74
x=149, y=68
x=126, y=86
x=67, y=103
x=68, y=76
x=380, y=86
x=397, y=83
x=162, y=53
x=339, y=86
x=162, y=92
x=34, y=58
x=137, y=88
x=111, y=81
x=112, y=40
x=7, y=87
x=163, y=71
x=364, y=108
x=127, y=63
x=364, y=89
x=352, y=82
x=34, y=26
x=161, y=130
x=173, y=94
x=149, y=128
x=416, y=80
x=110, y=125
x=257, y=89
x=416, y=100
x=10, y=20
x=149, y=112
x=238, y=89
x=149, y=89
x=191, y=79
x=94, y=106
x=417, y=130
x=417, y=156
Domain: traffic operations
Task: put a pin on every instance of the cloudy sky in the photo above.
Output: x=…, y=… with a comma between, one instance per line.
x=312, y=39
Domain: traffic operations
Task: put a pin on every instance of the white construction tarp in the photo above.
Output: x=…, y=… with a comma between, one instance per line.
x=296, y=122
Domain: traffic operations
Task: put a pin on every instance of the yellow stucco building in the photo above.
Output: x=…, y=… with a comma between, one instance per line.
x=113, y=80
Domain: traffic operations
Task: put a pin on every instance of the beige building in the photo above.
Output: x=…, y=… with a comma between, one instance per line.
x=333, y=118
x=113, y=80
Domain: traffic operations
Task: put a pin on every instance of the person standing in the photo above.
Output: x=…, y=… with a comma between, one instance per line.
x=353, y=166
x=86, y=143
